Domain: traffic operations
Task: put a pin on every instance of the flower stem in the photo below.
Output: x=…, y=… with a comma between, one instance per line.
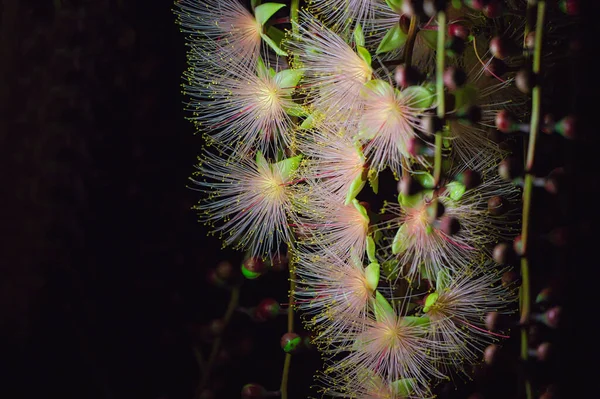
x=439, y=82
x=410, y=41
x=294, y=7
x=528, y=186
x=233, y=303
x=290, y=328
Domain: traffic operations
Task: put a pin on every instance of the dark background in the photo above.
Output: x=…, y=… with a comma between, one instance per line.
x=103, y=274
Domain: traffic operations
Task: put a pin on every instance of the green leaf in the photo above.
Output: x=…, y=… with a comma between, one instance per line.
x=357, y=185
x=364, y=54
x=381, y=307
x=276, y=34
x=273, y=45
x=288, y=166
x=414, y=321
x=410, y=201
x=399, y=245
x=260, y=159
x=393, y=39
x=395, y=5
x=442, y=280
x=309, y=122
x=288, y=78
x=371, y=249
x=457, y=4
x=465, y=96
x=373, y=177
x=404, y=387
x=418, y=97
x=430, y=301
x=456, y=190
x=376, y=86
x=425, y=179
x=372, y=275
x=254, y=3
x=430, y=37
x=261, y=68
x=295, y=110
x=361, y=209
x=263, y=12
x=359, y=36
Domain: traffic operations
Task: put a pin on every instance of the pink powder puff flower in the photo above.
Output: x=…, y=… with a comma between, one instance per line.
x=250, y=197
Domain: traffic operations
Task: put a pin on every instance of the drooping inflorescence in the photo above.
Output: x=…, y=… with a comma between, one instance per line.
x=307, y=128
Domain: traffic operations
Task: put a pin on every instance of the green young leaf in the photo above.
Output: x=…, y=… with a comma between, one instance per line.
x=425, y=179
x=361, y=209
x=273, y=45
x=457, y=4
x=288, y=166
x=373, y=177
x=403, y=388
x=364, y=54
x=375, y=86
x=414, y=321
x=372, y=275
x=418, y=97
x=288, y=78
x=371, y=249
x=393, y=39
x=395, y=5
x=359, y=36
x=263, y=12
x=357, y=185
x=430, y=37
x=465, y=96
x=276, y=34
x=442, y=280
x=296, y=110
x=309, y=122
x=400, y=243
x=381, y=307
x=456, y=190
x=261, y=68
x=260, y=160
x=410, y=201
x=430, y=301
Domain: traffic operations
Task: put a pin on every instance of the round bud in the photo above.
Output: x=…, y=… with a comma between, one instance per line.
x=544, y=351
x=454, y=78
x=566, y=127
x=511, y=279
x=493, y=9
x=504, y=253
x=290, y=342
x=253, y=267
x=267, y=309
x=476, y=4
x=280, y=262
x=554, y=180
x=432, y=7
x=408, y=185
x=412, y=7
x=492, y=320
x=510, y=168
x=518, y=245
x=455, y=46
x=505, y=122
x=469, y=178
x=490, y=354
x=449, y=225
x=435, y=210
x=548, y=124
x=224, y=270
x=253, y=391
x=495, y=68
x=530, y=41
x=569, y=7
x=458, y=30
x=431, y=124
x=501, y=47
x=497, y=205
x=407, y=76
x=214, y=279
x=544, y=296
x=418, y=147
x=552, y=316
x=525, y=80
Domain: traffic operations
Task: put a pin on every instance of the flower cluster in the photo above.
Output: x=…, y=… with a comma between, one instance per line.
x=306, y=128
